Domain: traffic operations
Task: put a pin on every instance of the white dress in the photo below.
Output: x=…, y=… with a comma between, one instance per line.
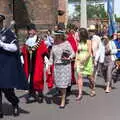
x=62, y=72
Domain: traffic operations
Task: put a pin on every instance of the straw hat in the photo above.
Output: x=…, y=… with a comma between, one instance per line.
x=91, y=28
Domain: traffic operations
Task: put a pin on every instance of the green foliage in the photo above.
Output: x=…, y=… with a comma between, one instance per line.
x=79, y=0
x=71, y=26
x=117, y=18
x=93, y=11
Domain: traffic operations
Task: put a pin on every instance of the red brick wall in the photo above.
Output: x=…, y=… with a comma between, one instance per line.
x=6, y=8
x=62, y=5
x=41, y=12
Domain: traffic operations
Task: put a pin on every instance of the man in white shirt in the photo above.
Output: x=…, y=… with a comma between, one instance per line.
x=96, y=41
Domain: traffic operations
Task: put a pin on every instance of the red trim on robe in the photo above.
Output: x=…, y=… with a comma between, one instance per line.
x=24, y=51
x=38, y=77
x=73, y=43
x=50, y=77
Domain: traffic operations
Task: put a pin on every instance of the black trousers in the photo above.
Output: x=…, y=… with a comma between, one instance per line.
x=10, y=96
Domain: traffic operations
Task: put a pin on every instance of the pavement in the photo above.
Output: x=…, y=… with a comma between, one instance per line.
x=104, y=106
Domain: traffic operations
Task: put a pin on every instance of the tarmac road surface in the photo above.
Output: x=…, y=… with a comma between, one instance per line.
x=104, y=106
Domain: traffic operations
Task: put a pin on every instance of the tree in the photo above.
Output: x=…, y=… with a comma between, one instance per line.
x=87, y=0
x=93, y=11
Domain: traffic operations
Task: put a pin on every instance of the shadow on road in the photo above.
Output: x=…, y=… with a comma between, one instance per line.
x=7, y=109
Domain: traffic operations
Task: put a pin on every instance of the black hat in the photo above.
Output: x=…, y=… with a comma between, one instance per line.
x=31, y=27
x=2, y=17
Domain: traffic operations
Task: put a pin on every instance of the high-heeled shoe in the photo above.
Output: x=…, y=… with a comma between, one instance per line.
x=108, y=90
x=92, y=94
x=62, y=107
x=79, y=98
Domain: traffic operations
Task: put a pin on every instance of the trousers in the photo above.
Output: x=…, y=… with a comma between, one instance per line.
x=10, y=96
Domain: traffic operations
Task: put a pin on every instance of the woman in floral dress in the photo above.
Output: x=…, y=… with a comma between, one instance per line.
x=84, y=63
x=62, y=63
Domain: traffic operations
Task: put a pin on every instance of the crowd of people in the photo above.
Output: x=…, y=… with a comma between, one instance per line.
x=62, y=57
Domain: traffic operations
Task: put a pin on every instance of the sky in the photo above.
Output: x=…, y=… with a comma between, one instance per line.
x=71, y=8
x=117, y=7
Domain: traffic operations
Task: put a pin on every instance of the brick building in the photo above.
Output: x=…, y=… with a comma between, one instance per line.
x=63, y=6
x=6, y=7
x=43, y=13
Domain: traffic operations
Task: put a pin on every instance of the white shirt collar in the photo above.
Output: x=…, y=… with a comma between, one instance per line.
x=31, y=41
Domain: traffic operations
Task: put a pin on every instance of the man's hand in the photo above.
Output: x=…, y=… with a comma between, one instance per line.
x=66, y=58
x=49, y=70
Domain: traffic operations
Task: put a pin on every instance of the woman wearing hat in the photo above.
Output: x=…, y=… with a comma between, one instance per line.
x=61, y=55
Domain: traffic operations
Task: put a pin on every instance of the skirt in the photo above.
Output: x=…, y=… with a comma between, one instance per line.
x=62, y=75
x=85, y=69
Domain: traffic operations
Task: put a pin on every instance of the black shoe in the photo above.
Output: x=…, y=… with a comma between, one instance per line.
x=1, y=115
x=39, y=99
x=28, y=101
x=16, y=111
x=62, y=107
x=68, y=92
x=69, y=89
x=48, y=100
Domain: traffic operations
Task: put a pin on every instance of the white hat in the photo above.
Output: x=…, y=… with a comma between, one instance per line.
x=92, y=28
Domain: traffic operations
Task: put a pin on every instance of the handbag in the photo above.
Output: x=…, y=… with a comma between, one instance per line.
x=65, y=54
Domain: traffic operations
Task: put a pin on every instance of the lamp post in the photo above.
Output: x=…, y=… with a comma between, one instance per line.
x=83, y=19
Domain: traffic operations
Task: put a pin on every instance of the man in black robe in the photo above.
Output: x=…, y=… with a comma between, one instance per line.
x=11, y=71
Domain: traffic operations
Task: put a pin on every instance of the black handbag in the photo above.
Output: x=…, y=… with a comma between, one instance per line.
x=65, y=54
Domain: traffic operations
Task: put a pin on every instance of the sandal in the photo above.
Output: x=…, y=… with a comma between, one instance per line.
x=92, y=94
x=79, y=98
x=108, y=90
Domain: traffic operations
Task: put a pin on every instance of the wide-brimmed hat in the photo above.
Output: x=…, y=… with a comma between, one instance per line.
x=2, y=17
x=92, y=28
x=59, y=32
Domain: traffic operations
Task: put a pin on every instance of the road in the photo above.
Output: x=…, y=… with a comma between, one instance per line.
x=104, y=106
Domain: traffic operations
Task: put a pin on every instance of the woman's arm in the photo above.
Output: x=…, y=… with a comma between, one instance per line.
x=51, y=57
x=50, y=61
x=89, y=44
x=72, y=55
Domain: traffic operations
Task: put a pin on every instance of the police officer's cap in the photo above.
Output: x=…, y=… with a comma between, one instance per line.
x=31, y=27
x=2, y=17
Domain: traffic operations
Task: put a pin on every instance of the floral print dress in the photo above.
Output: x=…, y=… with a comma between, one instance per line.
x=62, y=72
